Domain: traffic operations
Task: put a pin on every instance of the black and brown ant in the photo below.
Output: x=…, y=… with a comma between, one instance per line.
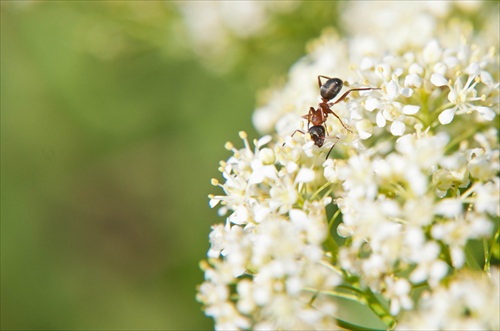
x=318, y=116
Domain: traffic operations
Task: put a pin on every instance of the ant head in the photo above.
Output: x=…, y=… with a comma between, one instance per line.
x=331, y=88
x=317, y=135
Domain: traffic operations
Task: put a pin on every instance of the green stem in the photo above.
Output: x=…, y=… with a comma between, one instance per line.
x=352, y=289
x=313, y=196
x=376, y=306
x=334, y=217
x=487, y=255
x=470, y=259
x=337, y=294
x=489, y=252
x=315, y=295
x=332, y=247
x=330, y=243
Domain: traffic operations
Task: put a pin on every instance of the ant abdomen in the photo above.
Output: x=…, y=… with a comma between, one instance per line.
x=330, y=88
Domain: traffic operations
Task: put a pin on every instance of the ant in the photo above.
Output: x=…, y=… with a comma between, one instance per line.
x=318, y=116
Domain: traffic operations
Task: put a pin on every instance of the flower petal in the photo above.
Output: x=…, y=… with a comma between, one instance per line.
x=452, y=96
x=438, y=80
x=398, y=128
x=447, y=116
x=371, y=104
x=305, y=175
x=473, y=69
x=449, y=207
x=365, y=129
x=410, y=109
x=392, y=89
x=486, y=112
x=381, y=120
x=432, y=52
x=406, y=92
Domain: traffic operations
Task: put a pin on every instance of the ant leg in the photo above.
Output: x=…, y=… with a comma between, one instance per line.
x=337, y=116
x=296, y=132
x=354, y=89
x=332, y=148
x=319, y=80
x=308, y=116
x=292, y=135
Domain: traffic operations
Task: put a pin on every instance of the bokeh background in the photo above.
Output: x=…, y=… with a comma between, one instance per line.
x=113, y=120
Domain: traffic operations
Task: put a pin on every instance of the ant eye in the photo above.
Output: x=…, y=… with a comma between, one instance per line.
x=331, y=88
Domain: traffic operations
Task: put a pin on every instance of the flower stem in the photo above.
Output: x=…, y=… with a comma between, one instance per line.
x=488, y=251
x=318, y=191
x=337, y=294
x=330, y=243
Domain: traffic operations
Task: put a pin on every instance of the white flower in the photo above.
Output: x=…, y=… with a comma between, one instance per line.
x=483, y=165
x=463, y=95
x=398, y=292
x=429, y=267
x=488, y=197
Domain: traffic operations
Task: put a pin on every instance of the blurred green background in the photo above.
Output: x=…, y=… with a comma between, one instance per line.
x=111, y=128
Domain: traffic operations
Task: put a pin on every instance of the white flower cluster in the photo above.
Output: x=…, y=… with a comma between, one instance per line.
x=394, y=209
x=471, y=301
x=413, y=209
x=268, y=260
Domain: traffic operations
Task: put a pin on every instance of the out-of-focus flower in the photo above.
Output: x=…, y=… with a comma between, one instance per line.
x=216, y=29
x=471, y=301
